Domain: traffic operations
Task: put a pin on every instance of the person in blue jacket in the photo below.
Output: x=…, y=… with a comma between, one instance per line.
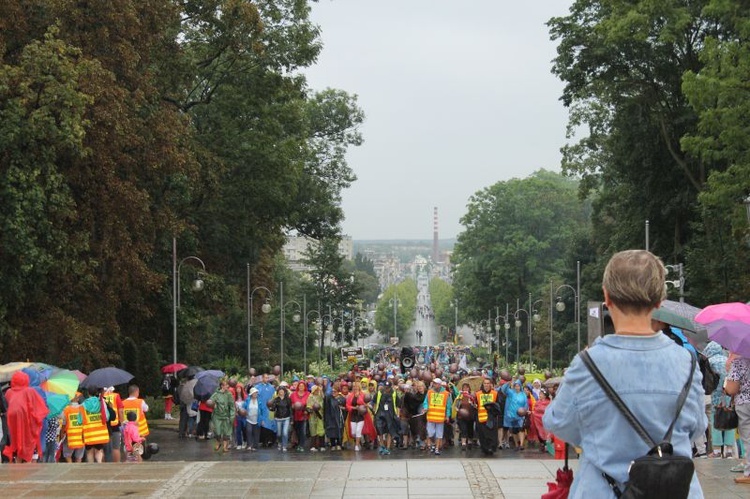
x=516, y=408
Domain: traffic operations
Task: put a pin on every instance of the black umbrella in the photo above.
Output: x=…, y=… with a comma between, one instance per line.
x=189, y=371
x=205, y=387
x=106, y=376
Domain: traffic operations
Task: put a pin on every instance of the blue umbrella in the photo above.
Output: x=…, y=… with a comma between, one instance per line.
x=205, y=387
x=211, y=372
x=106, y=376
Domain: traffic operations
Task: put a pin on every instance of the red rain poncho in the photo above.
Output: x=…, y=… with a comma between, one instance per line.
x=26, y=413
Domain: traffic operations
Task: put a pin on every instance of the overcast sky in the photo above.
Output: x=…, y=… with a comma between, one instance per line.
x=457, y=96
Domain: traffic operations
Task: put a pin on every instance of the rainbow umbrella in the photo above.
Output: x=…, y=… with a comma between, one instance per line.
x=63, y=382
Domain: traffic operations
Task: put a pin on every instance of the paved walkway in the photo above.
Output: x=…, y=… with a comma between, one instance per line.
x=428, y=478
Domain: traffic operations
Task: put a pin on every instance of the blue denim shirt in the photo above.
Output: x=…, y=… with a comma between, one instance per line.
x=648, y=372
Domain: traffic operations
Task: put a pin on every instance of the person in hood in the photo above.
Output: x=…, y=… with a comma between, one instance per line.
x=25, y=415
x=299, y=414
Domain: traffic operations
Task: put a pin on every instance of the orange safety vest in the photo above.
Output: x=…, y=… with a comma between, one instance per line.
x=437, y=406
x=94, y=429
x=136, y=405
x=111, y=399
x=484, y=398
x=73, y=426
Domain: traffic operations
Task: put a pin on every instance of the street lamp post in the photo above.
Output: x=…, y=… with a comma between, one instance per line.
x=306, y=328
x=196, y=286
x=535, y=318
x=560, y=306
x=282, y=311
x=265, y=308
x=518, y=329
x=455, y=317
x=395, y=303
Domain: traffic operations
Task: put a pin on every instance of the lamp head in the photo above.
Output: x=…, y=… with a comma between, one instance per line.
x=296, y=317
x=518, y=323
x=536, y=317
x=507, y=326
x=265, y=308
x=198, y=284
x=560, y=306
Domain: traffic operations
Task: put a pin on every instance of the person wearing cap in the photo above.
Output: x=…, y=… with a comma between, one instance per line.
x=386, y=421
x=438, y=405
x=253, y=416
x=114, y=404
x=223, y=415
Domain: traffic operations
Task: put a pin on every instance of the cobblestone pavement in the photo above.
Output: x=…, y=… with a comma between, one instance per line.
x=404, y=478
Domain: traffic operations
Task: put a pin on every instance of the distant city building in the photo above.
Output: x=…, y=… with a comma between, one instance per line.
x=296, y=248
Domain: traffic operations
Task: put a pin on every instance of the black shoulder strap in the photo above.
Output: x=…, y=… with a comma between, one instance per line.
x=629, y=416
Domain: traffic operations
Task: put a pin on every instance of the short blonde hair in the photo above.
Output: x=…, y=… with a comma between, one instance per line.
x=634, y=280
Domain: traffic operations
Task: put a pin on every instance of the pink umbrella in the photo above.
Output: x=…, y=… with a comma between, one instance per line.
x=734, y=311
x=728, y=325
x=79, y=374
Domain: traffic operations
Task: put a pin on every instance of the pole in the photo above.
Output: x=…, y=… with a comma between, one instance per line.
x=304, y=333
x=528, y=322
x=281, y=305
x=578, y=301
x=647, y=242
x=550, y=324
x=174, y=299
x=330, y=339
x=518, y=334
x=507, y=318
x=248, y=317
x=455, y=327
x=322, y=333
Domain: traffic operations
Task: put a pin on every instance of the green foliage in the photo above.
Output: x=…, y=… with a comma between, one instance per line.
x=404, y=297
x=149, y=375
x=127, y=123
x=441, y=299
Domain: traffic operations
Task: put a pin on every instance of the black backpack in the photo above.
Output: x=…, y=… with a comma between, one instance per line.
x=710, y=377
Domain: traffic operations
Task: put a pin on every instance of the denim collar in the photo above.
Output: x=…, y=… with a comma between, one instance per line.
x=651, y=342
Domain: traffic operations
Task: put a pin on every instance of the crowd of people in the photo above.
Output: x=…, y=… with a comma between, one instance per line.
x=369, y=410
x=97, y=425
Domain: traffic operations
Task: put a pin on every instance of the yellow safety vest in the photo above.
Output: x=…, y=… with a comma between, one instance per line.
x=74, y=426
x=484, y=398
x=94, y=429
x=111, y=399
x=437, y=406
x=136, y=405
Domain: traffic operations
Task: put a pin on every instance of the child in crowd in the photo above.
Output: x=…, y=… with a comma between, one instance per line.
x=132, y=439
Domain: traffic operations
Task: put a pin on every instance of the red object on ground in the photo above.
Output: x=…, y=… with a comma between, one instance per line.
x=560, y=488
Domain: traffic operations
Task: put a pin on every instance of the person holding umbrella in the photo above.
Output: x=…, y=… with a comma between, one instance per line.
x=633, y=361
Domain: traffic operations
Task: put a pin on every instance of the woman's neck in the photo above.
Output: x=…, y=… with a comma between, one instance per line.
x=633, y=325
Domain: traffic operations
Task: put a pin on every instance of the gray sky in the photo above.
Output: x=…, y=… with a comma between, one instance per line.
x=457, y=96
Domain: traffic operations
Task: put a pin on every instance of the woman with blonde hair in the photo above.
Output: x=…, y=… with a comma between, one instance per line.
x=647, y=370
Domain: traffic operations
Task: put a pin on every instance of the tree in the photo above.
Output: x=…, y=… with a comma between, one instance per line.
x=622, y=64
x=517, y=234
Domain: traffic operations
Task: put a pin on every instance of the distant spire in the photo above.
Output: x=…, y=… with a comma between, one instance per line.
x=435, y=251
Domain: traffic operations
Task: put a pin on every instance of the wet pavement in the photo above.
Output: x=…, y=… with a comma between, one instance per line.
x=187, y=468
